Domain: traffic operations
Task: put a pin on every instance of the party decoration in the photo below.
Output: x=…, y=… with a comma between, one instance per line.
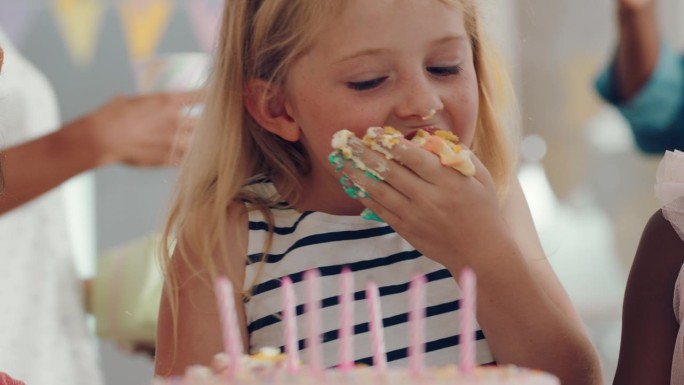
x=16, y=18
x=205, y=18
x=79, y=22
x=144, y=23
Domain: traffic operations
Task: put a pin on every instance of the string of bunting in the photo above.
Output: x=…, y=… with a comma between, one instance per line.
x=144, y=23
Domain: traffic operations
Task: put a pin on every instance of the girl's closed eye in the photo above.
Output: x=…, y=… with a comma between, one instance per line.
x=445, y=70
x=366, y=84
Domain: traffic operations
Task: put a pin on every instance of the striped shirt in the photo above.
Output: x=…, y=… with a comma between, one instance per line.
x=373, y=251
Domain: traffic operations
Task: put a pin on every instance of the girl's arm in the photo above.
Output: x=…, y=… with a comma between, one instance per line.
x=649, y=327
x=458, y=221
x=523, y=308
x=197, y=336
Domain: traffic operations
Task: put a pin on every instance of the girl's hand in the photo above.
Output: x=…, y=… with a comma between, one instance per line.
x=445, y=215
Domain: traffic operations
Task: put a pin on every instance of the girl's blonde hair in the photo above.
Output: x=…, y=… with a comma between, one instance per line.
x=262, y=39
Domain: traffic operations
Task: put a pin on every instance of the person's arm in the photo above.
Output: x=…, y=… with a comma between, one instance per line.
x=645, y=80
x=649, y=327
x=141, y=131
x=638, y=49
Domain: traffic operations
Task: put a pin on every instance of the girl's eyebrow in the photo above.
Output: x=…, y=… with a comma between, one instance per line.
x=378, y=51
x=365, y=52
x=451, y=38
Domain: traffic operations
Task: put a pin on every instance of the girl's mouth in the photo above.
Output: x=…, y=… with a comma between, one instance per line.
x=430, y=130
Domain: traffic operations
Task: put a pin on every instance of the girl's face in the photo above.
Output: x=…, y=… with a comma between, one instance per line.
x=403, y=63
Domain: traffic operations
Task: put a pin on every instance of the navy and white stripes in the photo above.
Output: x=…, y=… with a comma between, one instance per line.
x=373, y=252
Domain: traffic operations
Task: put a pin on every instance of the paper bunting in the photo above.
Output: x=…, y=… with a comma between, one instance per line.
x=144, y=23
x=205, y=16
x=79, y=22
x=16, y=17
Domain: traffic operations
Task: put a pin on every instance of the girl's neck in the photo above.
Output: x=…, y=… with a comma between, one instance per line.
x=327, y=197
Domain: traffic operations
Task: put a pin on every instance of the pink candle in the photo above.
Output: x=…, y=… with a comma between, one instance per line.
x=313, y=312
x=467, y=339
x=377, y=335
x=416, y=324
x=346, y=320
x=232, y=340
x=289, y=317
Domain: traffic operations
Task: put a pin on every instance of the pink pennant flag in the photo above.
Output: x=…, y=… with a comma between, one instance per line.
x=205, y=18
x=16, y=18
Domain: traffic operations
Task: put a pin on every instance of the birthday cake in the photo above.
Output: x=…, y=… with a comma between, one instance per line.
x=271, y=367
x=264, y=370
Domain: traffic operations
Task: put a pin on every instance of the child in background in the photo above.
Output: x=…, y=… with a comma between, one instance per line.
x=258, y=199
x=654, y=297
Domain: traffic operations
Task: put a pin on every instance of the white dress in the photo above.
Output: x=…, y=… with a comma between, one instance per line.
x=44, y=339
x=677, y=376
x=670, y=190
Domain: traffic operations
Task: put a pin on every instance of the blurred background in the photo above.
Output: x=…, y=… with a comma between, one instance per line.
x=590, y=190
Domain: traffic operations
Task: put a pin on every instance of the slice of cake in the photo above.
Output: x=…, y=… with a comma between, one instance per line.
x=444, y=144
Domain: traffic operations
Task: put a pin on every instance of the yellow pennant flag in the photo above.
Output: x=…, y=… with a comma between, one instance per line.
x=144, y=23
x=79, y=22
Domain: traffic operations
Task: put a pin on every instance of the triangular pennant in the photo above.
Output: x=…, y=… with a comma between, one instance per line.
x=144, y=23
x=205, y=16
x=16, y=18
x=79, y=21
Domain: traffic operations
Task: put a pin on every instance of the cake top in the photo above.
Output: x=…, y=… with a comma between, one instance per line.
x=266, y=367
x=444, y=144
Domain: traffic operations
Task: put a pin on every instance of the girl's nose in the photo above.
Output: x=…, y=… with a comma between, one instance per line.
x=418, y=100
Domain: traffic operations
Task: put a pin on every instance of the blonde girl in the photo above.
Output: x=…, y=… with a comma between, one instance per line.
x=258, y=201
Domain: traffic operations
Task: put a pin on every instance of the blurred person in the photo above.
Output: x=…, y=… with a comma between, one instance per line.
x=645, y=79
x=5, y=379
x=652, y=344
x=44, y=338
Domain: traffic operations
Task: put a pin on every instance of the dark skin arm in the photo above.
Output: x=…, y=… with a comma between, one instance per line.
x=649, y=327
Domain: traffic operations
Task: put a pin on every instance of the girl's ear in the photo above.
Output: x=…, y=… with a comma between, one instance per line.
x=266, y=103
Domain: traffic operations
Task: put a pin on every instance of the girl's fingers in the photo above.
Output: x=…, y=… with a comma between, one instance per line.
x=421, y=162
x=372, y=190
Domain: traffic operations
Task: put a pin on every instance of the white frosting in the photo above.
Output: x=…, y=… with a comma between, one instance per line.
x=277, y=375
